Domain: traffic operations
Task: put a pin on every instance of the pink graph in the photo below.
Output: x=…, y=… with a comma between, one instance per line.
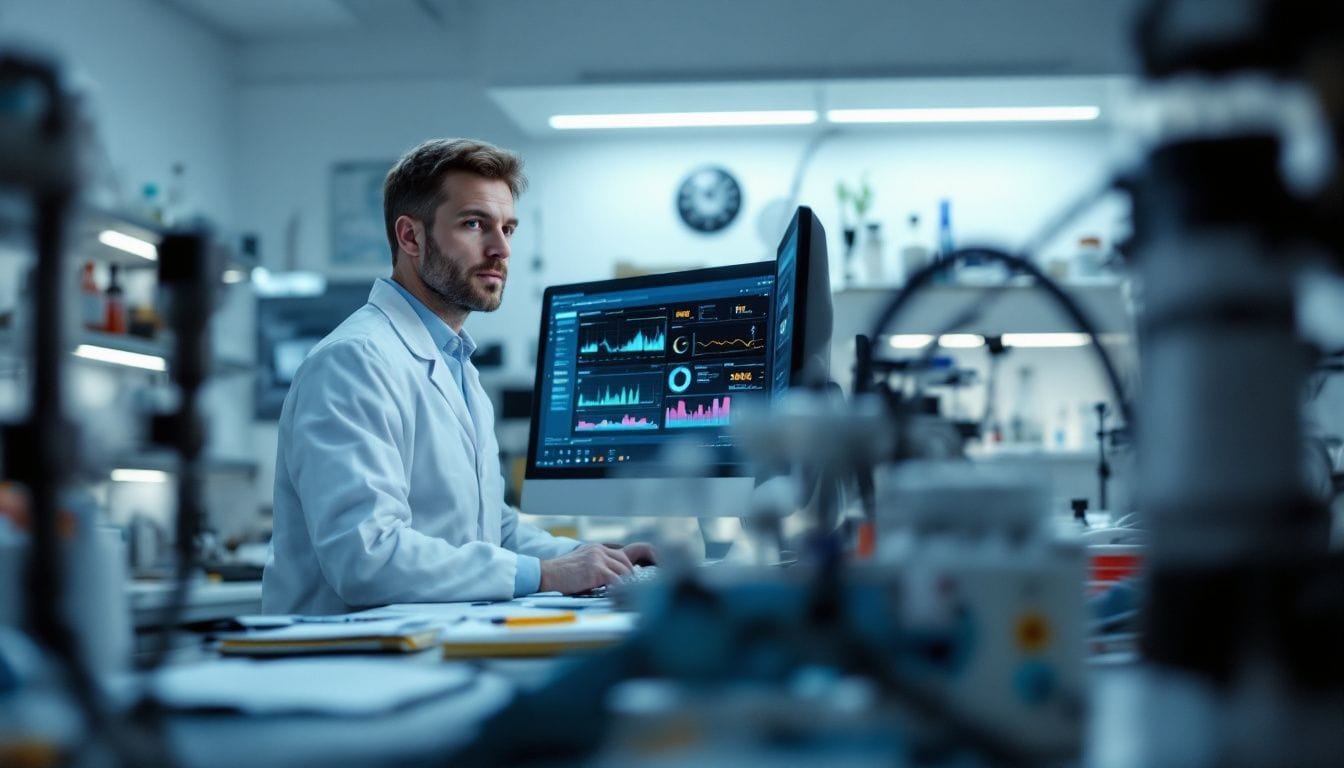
x=716, y=416
x=626, y=422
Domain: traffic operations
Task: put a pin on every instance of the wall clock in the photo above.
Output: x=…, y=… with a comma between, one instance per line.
x=709, y=199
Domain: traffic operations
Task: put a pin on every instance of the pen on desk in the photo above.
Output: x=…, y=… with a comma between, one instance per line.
x=525, y=621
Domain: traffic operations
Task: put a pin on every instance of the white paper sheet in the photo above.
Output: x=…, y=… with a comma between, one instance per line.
x=336, y=685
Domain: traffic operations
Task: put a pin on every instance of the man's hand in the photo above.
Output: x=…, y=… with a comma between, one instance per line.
x=639, y=553
x=587, y=566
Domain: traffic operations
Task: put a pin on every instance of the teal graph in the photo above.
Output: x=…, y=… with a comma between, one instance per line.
x=623, y=335
x=609, y=396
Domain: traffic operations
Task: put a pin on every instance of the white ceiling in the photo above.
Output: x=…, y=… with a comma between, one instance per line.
x=248, y=21
x=531, y=107
x=507, y=43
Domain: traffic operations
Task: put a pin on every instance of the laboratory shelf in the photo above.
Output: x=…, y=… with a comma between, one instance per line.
x=1012, y=308
x=160, y=346
x=168, y=461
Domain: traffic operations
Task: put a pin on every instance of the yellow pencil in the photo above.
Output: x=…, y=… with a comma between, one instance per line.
x=523, y=621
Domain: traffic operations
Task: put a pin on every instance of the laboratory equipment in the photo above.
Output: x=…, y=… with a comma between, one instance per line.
x=1242, y=600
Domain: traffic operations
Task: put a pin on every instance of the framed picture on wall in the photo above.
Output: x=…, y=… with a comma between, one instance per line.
x=358, y=238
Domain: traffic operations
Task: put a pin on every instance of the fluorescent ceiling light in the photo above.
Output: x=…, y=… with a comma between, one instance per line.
x=684, y=119
x=139, y=476
x=133, y=245
x=909, y=340
x=961, y=340
x=121, y=357
x=947, y=340
x=1045, y=340
x=964, y=115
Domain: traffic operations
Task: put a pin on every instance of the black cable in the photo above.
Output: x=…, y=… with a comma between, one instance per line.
x=924, y=277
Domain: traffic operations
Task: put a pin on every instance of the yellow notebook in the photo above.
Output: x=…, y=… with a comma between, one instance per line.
x=478, y=638
x=395, y=635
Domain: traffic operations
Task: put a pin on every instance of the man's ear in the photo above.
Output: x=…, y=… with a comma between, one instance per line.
x=409, y=233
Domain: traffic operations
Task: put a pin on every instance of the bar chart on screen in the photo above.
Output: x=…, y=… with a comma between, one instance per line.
x=700, y=412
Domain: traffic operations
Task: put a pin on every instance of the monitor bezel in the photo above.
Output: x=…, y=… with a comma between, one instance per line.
x=531, y=471
x=801, y=228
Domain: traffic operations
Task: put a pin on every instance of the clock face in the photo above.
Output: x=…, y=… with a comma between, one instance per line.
x=709, y=199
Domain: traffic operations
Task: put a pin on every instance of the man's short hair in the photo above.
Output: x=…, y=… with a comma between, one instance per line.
x=414, y=186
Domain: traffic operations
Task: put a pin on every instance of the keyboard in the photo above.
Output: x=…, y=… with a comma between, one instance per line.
x=641, y=574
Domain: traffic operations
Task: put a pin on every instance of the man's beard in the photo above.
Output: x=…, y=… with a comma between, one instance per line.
x=447, y=280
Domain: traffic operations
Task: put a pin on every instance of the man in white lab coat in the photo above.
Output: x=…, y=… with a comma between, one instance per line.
x=387, y=479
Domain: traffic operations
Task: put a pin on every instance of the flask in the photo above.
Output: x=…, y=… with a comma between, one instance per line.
x=915, y=254
x=92, y=313
x=175, y=196
x=114, y=320
x=1059, y=430
x=150, y=203
x=1091, y=257
x=1024, y=423
x=873, y=248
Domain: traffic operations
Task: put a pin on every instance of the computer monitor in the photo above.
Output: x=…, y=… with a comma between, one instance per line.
x=802, y=312
x=627, y=368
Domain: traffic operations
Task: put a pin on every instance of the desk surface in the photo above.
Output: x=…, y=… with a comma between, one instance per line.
x=206, y=601
x=426, y=729
x=413, y=733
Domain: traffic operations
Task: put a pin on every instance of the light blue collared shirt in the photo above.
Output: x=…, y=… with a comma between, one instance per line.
x=456, y=348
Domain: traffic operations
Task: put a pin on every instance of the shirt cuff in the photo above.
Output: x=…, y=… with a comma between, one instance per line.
x=527, y=577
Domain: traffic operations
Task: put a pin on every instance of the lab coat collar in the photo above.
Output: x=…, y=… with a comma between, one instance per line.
x=419, y=343
x=405, y=321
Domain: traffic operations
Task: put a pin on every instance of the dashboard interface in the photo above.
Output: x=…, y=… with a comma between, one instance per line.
x=627, y=368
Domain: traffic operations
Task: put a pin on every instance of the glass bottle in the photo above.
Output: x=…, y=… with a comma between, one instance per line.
x=873, y=249
x=915, y=254
x=1024, y=423
x=115, y=315
x=92, y=311
x=945, y=243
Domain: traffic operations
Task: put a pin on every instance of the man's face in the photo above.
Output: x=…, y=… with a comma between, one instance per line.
x=466, y=255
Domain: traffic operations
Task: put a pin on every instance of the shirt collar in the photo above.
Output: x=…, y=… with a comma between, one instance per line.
x=453, y=343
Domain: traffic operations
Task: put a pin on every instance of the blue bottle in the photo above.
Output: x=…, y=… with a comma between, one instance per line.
x=945, y=244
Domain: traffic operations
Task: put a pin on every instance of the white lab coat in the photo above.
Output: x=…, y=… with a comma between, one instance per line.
x=387, y=482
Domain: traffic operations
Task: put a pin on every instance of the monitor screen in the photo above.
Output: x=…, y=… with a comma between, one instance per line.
x=627, y=366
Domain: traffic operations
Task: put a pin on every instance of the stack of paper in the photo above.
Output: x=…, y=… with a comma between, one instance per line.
x=398, y=634
x=536, y=637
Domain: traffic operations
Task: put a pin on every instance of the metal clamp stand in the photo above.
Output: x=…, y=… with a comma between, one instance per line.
x=1103, y=464
x=188, y=274
x=38, y=159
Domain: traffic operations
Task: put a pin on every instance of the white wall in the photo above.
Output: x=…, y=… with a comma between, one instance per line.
x=608, y=198
x=160, y=89
x=163, y=90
